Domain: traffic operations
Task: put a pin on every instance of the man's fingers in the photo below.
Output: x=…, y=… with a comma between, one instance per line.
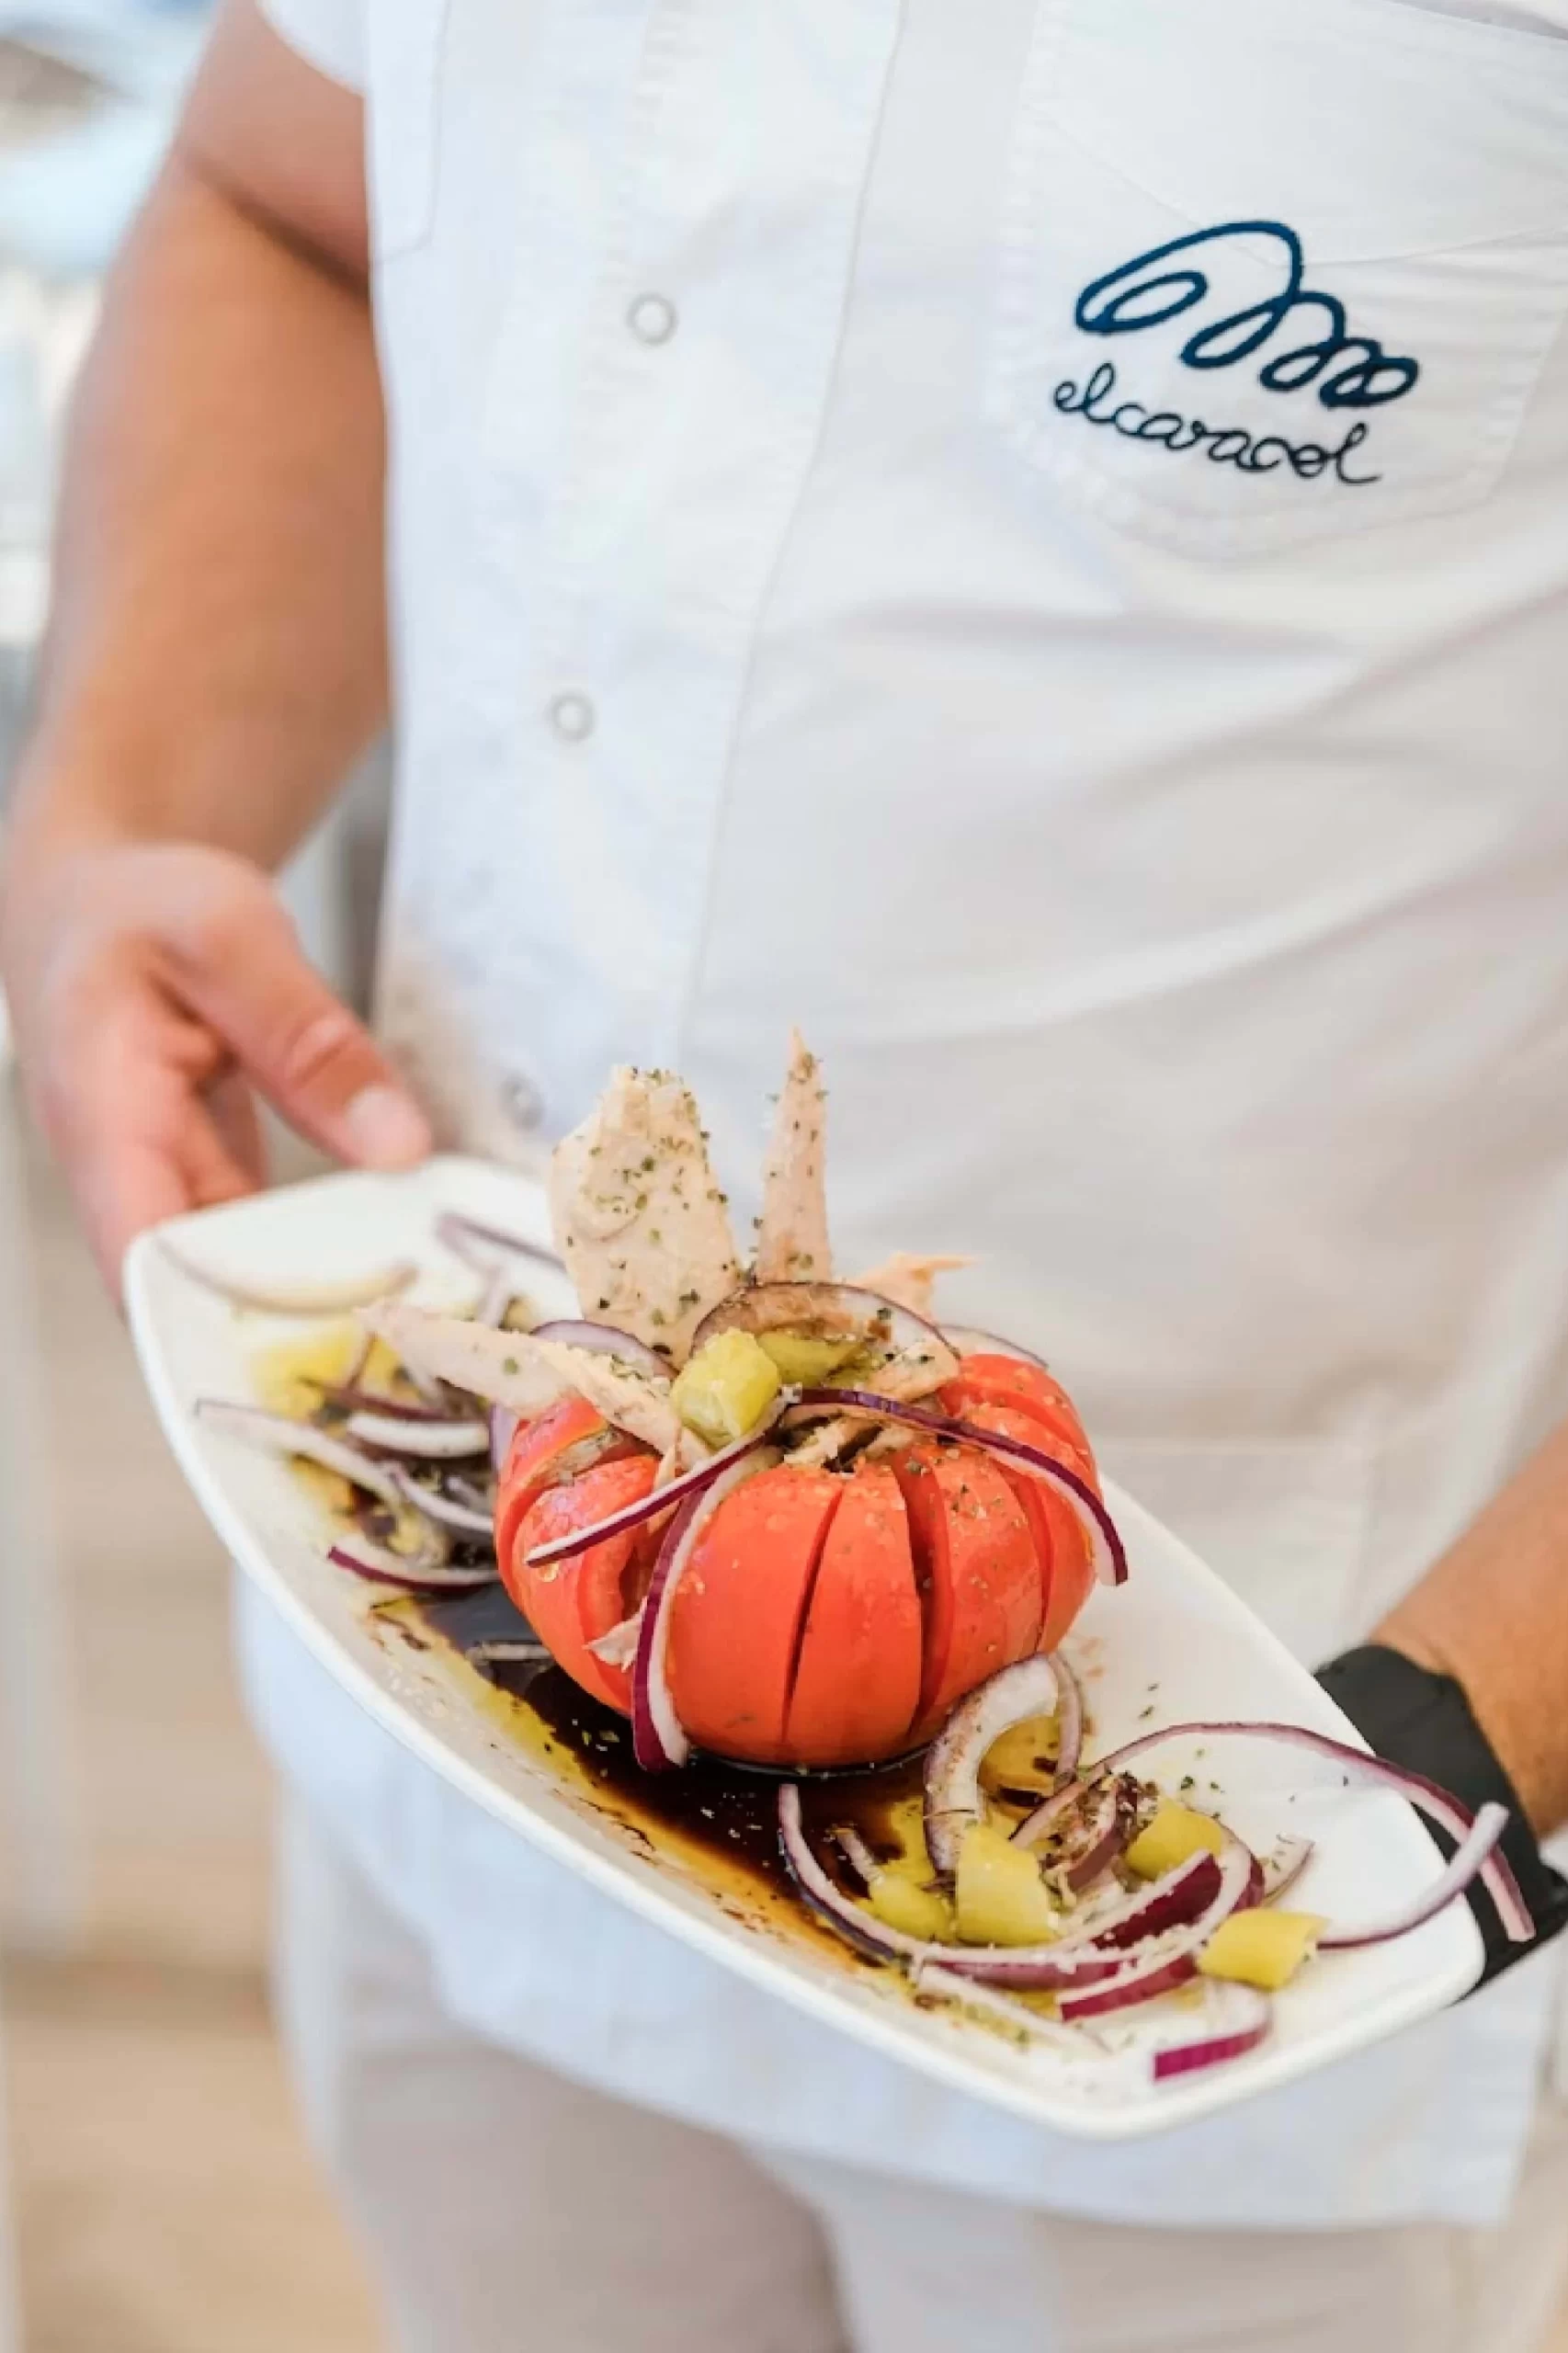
x=230, y=1105
x=133, y=1128
x=301, y=1046
x=129, y=1183
x=220, y=1145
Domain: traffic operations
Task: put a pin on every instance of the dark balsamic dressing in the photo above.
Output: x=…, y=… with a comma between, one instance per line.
x=727, y=1810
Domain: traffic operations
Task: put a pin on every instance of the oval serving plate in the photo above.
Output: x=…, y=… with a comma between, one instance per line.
x=1172, y=1643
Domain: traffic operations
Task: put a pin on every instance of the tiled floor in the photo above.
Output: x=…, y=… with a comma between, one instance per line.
x=166, y=2202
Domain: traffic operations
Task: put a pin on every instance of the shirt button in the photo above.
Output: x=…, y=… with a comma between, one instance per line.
x=571, y=716
x=524, y=1104
x=652, y=318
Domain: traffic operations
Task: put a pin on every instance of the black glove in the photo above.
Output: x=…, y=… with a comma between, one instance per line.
x=1424, y=1721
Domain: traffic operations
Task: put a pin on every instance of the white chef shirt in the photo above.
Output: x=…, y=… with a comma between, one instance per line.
x=1033, y=541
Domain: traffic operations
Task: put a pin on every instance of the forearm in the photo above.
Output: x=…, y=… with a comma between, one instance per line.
x=214, y=660
x=1493, y=1613
x=215, y=657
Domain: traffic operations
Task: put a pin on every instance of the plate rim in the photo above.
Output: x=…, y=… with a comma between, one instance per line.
x=1138, y=2116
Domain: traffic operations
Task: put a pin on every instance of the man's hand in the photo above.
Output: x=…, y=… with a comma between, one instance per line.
x=155, y=989
x=214, y=665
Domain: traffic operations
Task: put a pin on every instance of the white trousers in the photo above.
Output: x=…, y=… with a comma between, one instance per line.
x=506, y=2208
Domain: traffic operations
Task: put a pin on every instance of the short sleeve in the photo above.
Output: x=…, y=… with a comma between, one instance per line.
x=328, y=34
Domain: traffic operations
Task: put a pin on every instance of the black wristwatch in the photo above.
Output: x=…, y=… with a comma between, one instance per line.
x=1423, y=1720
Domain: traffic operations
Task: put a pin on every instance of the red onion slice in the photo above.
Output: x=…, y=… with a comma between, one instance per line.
x=1106, y=1551
x=331, y=1298
x=856, y=1852
x=604, y=1340
x=502, y=1430
x=1284, y=1867
x=966, y=1342
x=658, y=1740
x=474, y=1243
x=415, y=1572
x=821, y=1895
x=348, y=1397
x=1090, y=1822
x=660, y=1499
x=1052, y=1814
x=462, y=1518
x=275, y=1433
x=953, y=1802
x=496, y=1298
x=1105, y=1838
x=1142, y=1979
x=1070, y=1716
x=1469, y=1860
x=1236, y=2019
x=928, y=1977
x=470, y=1491
x=429, y=1440
x=1359, y=1767
x=1168, y=1962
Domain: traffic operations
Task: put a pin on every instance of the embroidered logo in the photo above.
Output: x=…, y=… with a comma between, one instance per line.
x=1345, y=370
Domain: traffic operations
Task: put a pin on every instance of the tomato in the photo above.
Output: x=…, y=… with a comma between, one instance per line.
x=533, y=1459
x=980, y=1576
x=857, y=1680
x=824, y=1618
x=1024, y=1400
x=570, y=1603
x=1066, y=1563
x=1021, y=1389
x=737, y=1613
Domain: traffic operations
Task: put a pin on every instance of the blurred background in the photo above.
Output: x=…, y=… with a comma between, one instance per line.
x=159, y=2199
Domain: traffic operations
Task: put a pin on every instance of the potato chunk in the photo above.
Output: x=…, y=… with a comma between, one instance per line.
x=727, y=1388
x=1264, y=1949
x=1175, y=1834
x=1000, y=1896
x=896, y=1897
x=806, y=1360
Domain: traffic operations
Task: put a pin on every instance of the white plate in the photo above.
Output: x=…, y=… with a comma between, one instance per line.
x=1172, y=1643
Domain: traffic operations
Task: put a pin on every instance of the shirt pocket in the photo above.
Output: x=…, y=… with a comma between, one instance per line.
x=1277, y=269
x=404, y=41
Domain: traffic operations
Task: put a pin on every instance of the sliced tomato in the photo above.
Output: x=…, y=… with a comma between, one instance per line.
x=1022, y=1389
x=533, y=1461
x=1072, y=1562
x=976, y=1560
x=858, y=1682
x=737, y=1615
x=1066, y=1564
x=570, y=1603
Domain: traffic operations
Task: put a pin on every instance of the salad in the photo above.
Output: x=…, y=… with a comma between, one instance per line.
x=802, y=1526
